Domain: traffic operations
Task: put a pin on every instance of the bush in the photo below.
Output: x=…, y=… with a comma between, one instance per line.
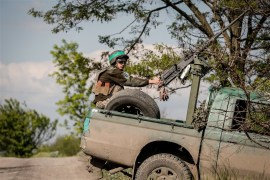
x=68, y=145
x=22, y=129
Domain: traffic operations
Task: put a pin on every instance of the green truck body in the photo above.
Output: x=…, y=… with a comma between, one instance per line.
x=128, y=140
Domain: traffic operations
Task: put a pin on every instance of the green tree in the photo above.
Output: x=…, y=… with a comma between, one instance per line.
x=73, y=73
x=236, y=53
x=23, y=130
x=151, y=63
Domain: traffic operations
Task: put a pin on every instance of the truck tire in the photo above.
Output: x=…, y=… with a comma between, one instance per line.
x=134, y=101
x=163, y=166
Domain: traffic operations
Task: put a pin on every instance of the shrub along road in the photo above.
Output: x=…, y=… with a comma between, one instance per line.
x=65, y=168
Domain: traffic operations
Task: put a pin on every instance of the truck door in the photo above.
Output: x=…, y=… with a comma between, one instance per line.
x=212, y=135
x=243, y=145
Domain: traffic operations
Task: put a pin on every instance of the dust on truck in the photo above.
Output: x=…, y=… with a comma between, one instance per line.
x=175, y=149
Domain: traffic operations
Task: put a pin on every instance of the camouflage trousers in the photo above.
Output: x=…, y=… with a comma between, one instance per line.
x=103, y=104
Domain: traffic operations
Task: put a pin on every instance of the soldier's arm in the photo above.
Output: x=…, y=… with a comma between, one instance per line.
x=136, y=82
x=123, y=79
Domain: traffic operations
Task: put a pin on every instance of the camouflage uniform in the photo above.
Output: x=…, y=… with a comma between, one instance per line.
x=112, y=80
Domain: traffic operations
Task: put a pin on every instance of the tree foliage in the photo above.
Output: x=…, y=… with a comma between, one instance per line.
x=73, y=73
x=152, y=64
x=23, y=130
x=236, y=53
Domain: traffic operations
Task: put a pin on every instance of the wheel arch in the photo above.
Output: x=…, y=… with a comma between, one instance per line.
x=157, y=147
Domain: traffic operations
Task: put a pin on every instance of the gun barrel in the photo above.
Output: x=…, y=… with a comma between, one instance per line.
x=174, y=71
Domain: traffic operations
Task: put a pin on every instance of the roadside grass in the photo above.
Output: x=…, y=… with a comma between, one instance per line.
x=47, y=154
x=68, y=145
x=227, y=173
x=232, y=177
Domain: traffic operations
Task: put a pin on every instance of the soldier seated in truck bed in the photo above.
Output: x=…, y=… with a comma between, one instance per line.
x=113, y=79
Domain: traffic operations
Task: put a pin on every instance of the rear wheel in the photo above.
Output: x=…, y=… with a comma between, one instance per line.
x=163, y=166
x=134, y=101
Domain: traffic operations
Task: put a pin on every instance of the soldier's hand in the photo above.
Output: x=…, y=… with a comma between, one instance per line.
x=163, y=94
x=155, y=80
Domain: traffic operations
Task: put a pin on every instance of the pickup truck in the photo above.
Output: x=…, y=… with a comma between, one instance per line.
x=172, y=149
x=129, y=133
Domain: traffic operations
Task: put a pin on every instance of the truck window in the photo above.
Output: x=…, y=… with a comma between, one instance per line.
x=240, y=113
x=252, y=117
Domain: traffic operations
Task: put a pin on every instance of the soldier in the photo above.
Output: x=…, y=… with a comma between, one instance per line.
x=113, y=79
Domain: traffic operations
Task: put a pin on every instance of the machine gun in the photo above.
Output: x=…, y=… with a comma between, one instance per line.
x=181, y=70
x=176, y=70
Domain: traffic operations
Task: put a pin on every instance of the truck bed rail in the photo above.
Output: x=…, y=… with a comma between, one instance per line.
x=178, y=123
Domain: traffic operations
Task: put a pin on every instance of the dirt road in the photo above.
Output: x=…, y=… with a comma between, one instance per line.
x=67, y=168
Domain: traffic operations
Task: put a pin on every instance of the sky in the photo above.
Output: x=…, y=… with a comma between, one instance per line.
x=26, y=62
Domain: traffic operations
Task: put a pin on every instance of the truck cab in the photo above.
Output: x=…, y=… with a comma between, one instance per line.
x=242, y=145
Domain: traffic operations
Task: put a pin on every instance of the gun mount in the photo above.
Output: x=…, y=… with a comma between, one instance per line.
x=175, y=71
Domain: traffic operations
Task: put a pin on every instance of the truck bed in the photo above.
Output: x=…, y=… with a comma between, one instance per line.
x=122, y=136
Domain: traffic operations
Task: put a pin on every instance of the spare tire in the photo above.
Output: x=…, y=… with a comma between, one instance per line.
x=134, y=101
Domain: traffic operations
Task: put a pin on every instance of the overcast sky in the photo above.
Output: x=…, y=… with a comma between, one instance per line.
x=25, y=59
